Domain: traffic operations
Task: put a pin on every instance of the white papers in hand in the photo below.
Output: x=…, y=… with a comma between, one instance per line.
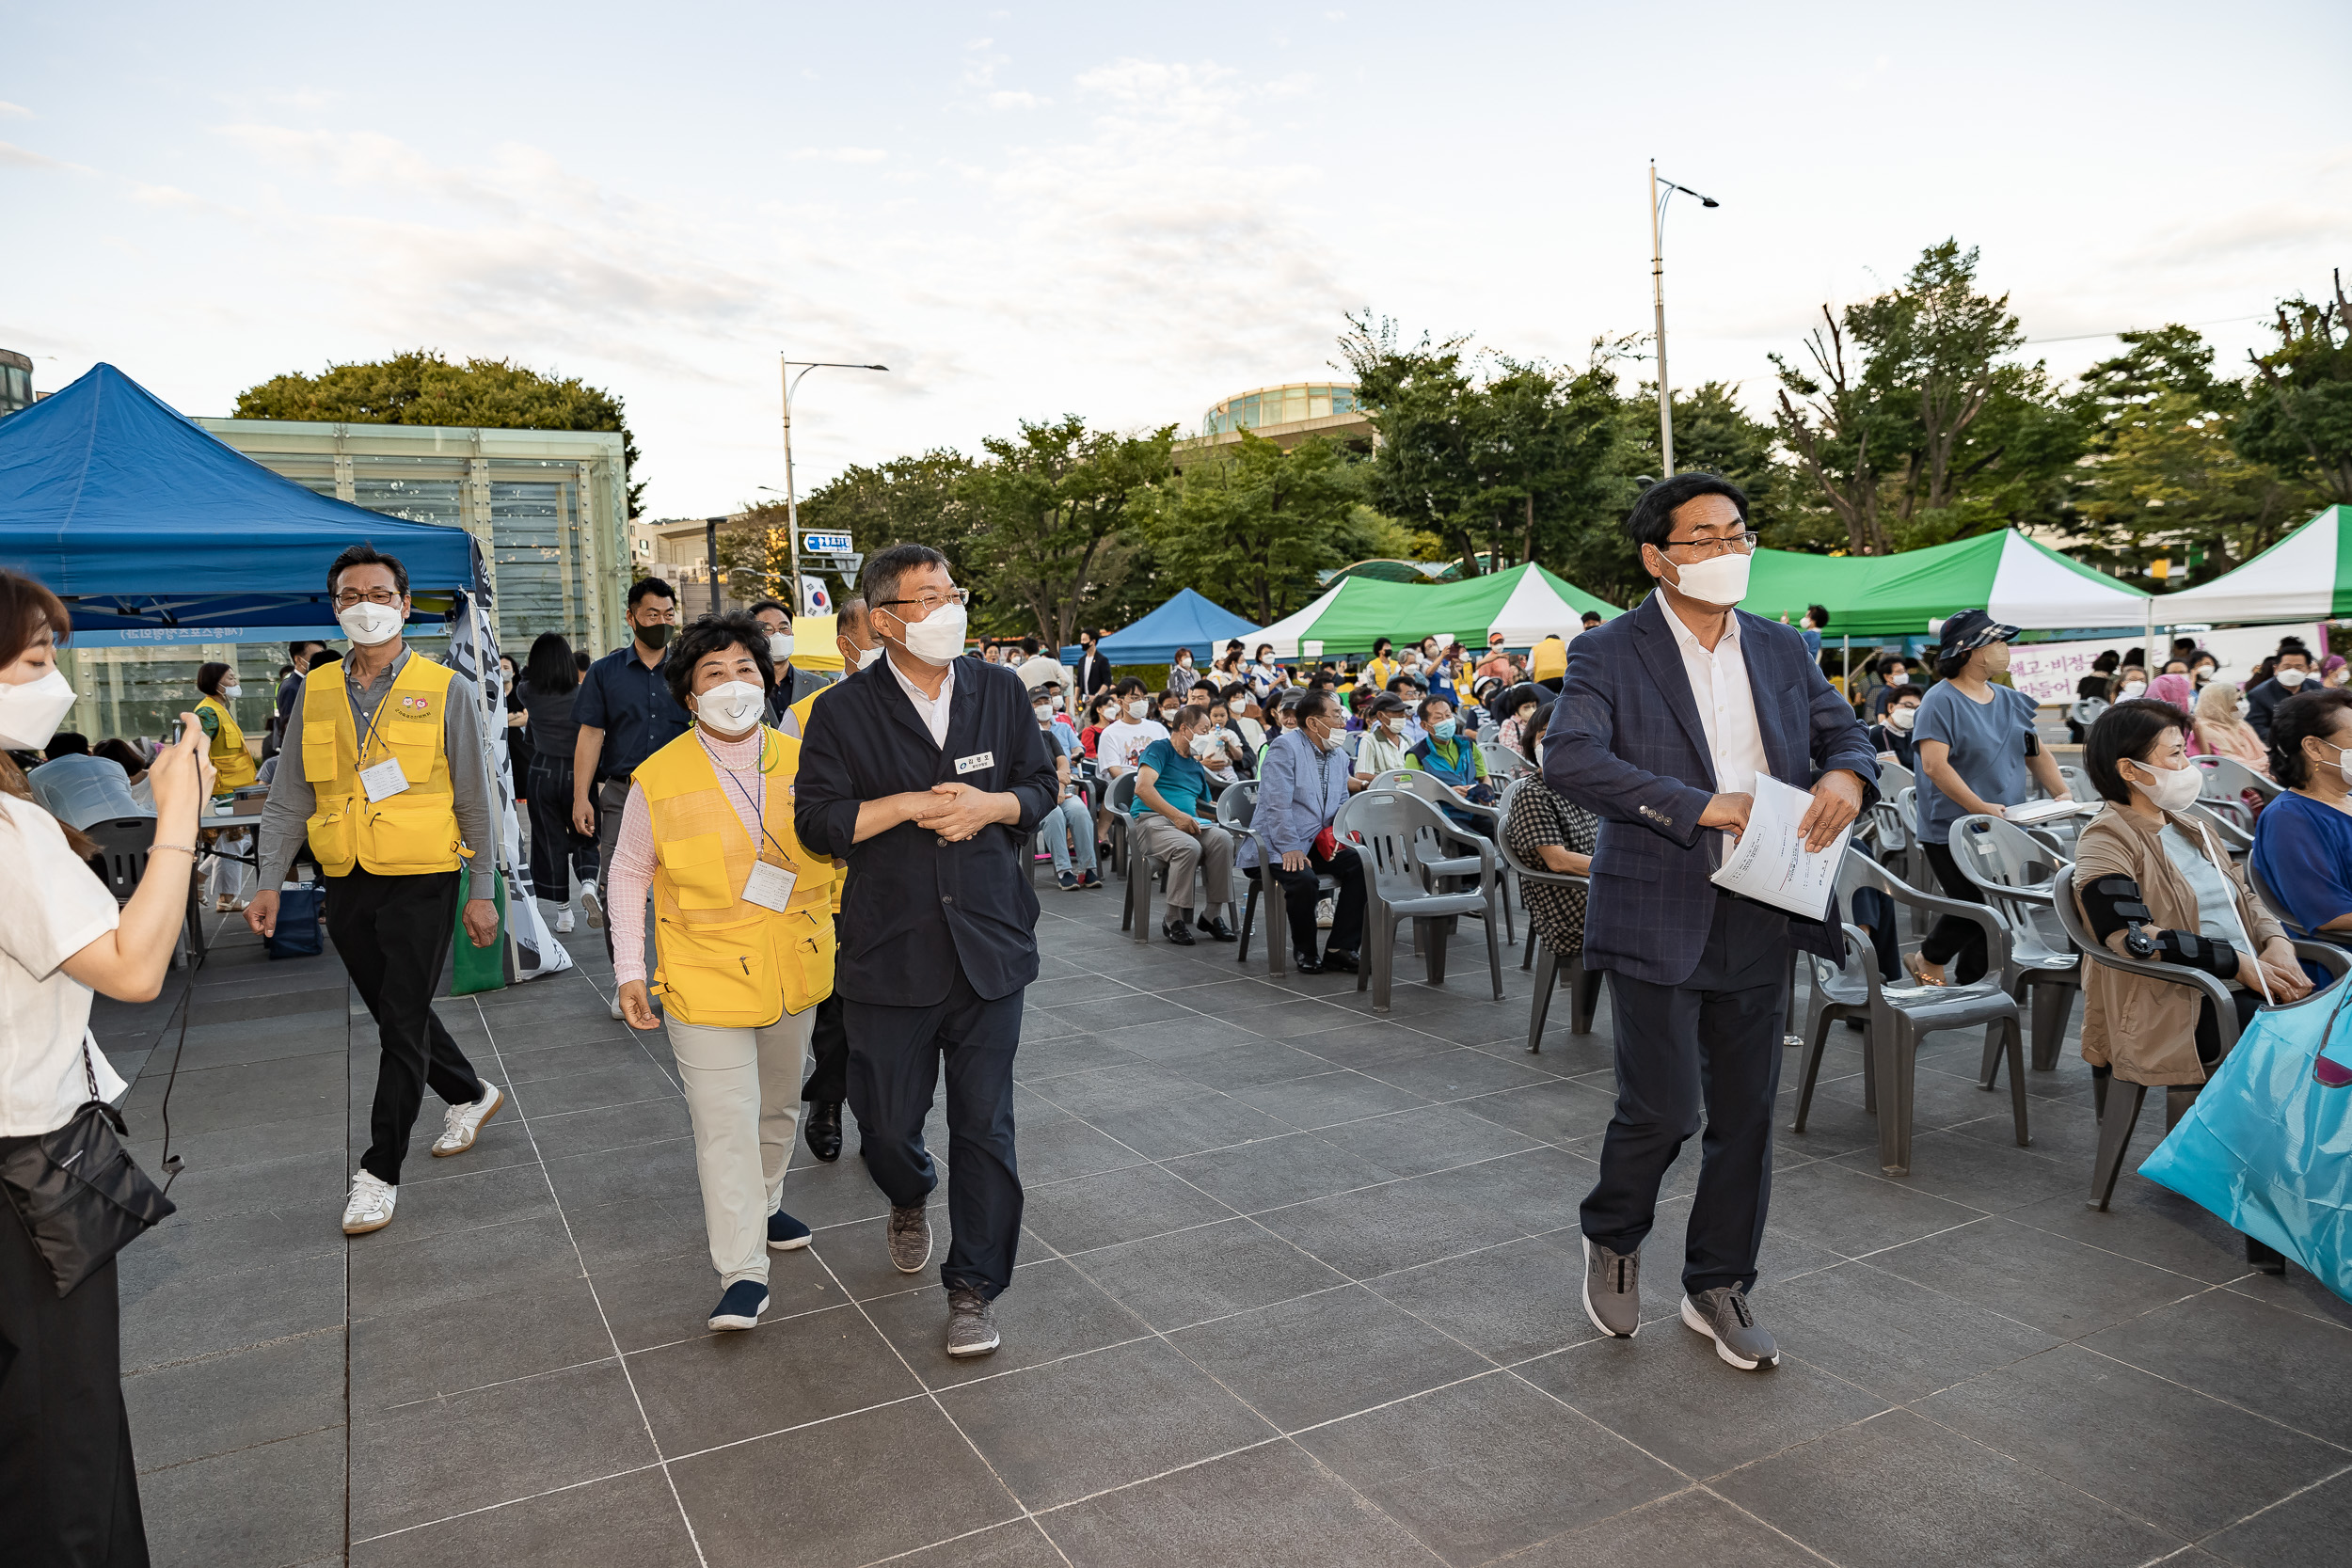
x=1770, y=864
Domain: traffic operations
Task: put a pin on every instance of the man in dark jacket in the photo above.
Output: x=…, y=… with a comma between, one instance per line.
x=2286, y=679
x=927, y=772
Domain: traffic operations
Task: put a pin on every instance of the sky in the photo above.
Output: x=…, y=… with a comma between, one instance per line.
x=1125, y=212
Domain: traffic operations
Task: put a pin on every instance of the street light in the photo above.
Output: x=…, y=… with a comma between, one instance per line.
x=792, y=493
x=1658, y=200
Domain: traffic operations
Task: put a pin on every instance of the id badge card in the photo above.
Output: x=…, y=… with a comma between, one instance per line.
x=384, y=779
x=770, y=886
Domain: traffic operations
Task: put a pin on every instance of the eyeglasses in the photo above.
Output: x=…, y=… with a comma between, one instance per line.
x=350, y=597
x=930, y=601
x=1706, y=549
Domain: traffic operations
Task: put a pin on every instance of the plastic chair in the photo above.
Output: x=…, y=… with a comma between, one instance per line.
x=1907, y=813
x=1896, y=1020
x=2228, y=779
x=2118, y=1112
x=1401, y=838
x=2013, y=870
x=2078, y=783
x=1120, y=801
x=1429, y=787
x=1503, y=761
x=2235, y=840
x=1236, y=813
x=121, y=861
x=1583, y=985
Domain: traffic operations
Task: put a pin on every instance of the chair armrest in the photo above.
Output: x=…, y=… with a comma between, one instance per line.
x=2225, y=1009
x=2327, y=954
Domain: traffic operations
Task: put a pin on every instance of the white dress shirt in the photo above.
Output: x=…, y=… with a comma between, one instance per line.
x=1719, y=685
x=934, y=710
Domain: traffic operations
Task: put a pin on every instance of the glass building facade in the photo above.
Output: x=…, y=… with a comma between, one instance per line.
x=16, y=383
x=1289, y=403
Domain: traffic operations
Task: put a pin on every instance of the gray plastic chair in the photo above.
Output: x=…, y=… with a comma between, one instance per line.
x=2226, y=783
x=1503, y=761
x=1401, y=839
x=1915, y=866
x=1236, y=813
x=1429, y=787
x=2235, y=840
x=2078, y=782
x=1896, y=1020
x=1119, y=799
x=1583, y=985
x=2012, y=869
x=2118, y=1112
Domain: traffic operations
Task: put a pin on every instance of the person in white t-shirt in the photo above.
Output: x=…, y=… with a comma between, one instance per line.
x=1123, y=742
x=70, y=1480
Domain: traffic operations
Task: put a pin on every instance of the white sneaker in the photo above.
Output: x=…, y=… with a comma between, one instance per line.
x=460, y=1123
x=1327, y=911
x=590, y=906
x=563, y=923
x=616, y=1005
x=370, y=1206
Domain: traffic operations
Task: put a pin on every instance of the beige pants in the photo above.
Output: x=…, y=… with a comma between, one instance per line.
x=743, y=1092
x=1211, y=855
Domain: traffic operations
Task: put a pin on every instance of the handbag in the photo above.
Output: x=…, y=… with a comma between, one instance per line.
x=81, y=1196
x=2267, y=1145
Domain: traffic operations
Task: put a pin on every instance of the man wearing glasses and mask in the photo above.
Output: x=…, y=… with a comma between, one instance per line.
x=927, y=772
x=625, y=714
x=1667, y=717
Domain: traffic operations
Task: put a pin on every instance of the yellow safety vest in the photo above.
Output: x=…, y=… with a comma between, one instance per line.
x=232, y=766
x=796, y=728
x=406, y=834
x=724, y=961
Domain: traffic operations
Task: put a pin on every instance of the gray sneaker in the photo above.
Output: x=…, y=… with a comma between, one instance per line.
x=1721, y=1314
x=910, y=1239
x=971, y=1323
x=1612, y=1290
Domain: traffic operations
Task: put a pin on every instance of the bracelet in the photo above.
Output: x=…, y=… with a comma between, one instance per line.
x=188, y=850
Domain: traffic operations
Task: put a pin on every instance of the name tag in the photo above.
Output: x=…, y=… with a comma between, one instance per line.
x=770, y=886
x=976, y=761
x=383, y=781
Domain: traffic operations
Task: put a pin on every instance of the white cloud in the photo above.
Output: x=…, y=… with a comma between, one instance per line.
x=14, y=111
x=1001, y=100
x=839, y=154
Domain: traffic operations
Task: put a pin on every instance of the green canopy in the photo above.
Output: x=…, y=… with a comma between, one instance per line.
x=1524, y=603
x=2021, y=582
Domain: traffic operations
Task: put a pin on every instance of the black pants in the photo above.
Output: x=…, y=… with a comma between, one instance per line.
x=559, y=851
x=894, y=1055
x=393, y=934
x=1952, y=936
x=1711, y=1042
x=1298, y=899
x=829, y=1045
x=69, y=1491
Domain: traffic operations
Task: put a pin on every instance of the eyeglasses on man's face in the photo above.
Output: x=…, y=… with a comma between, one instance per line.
x=1705, y=546
x=349, y=596
x=931, y=599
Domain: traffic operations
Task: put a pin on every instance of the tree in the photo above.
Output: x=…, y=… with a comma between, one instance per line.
x=1256, y=527
x=1053, y=512
x=916, y=501
x=1420, y=400
x=1838, y=421
x=422, y=387
x=2298, y=417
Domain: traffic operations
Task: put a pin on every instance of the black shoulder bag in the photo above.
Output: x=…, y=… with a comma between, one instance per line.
x=78, y=1192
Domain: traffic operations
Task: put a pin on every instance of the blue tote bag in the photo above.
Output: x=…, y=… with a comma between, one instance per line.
x=2268, y=1145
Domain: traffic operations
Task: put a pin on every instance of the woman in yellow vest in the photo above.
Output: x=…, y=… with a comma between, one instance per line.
x=234, y=768
x=743, y=942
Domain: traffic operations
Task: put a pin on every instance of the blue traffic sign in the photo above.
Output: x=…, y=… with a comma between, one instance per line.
x=825, y=544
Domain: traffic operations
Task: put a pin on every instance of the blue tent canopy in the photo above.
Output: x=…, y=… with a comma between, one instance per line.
x=1187, y=621
x=139, y=518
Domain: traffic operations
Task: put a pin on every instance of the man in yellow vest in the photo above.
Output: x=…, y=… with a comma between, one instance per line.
x=383, y=775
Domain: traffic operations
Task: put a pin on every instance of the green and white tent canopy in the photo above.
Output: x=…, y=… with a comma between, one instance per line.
x=2305, y=576
x=1525, y=603
x=2020, y=582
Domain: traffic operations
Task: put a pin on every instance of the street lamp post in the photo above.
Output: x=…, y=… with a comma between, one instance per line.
x=791, y=492
x=1661, y=191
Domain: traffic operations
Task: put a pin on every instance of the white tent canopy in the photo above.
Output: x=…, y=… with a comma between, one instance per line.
x=2302, y=576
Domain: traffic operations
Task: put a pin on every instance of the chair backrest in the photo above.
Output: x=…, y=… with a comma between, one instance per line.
x=1894, y=776
x=122, y=859
x=1237, y=807
x=2078, y=782
x=1121, y=798
x=1907, y=807
x=1352, y=740
x=1996, y=854
x=2234, y=839
x=1510, y=857
x=2226, y=779
x=1394, y=833
x=1503, y=761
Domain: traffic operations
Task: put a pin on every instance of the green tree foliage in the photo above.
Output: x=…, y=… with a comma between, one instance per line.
x=1054, y=520
x=917, y=500
x=423, y=388
x=2298, y=418
x=1255, y=527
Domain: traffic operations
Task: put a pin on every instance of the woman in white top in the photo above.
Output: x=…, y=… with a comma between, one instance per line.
x=68, y=1488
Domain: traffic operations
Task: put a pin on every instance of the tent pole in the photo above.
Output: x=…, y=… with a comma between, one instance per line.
x=1847, y=642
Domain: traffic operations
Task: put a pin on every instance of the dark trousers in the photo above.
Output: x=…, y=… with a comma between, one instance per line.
x=559, y=851
x=1347, y=914
x=829, y=1045
x=1953, y=937
x=393, y=934
x=611, y=796
x=69, y=1491
x=1711, y=1042
x=894, y=1055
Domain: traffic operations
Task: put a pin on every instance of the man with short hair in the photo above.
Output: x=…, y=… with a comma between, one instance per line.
x=2294, y=668
x=625, y=714
x=298, y=655
x=389, y=791
x=776, y=621
x=1094, y=671
x=1173, y=820
x=1122, y=741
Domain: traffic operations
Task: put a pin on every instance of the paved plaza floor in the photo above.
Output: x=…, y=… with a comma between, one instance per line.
x=1298, y=1287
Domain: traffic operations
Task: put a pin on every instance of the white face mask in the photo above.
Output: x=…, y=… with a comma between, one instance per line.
x=1720, y=580
x=1204, y=745
x=1057, y=705
x=779, y=645
x=1044, y=712
x=2243, y=708
x=1899, y=677
x=867, y=656
x=230, y=692
x=2290, y=678
x=730, y=709
x=30, y=714
x=1185, y=663
x=2135, y=689
x=2174, y=788
x=1136, y=708
x=937, y=637
x=1899, y=718
x=370, y=626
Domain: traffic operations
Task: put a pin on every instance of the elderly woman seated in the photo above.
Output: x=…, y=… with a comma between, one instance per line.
x=2303, y=839
x=1544, y=829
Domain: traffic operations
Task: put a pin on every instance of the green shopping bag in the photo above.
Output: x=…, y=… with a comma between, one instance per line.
x=477, y=969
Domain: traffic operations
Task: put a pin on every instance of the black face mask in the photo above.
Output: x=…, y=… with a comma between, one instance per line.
x=655, y=636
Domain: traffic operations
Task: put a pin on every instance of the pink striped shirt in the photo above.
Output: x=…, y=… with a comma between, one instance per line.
x=633, y=859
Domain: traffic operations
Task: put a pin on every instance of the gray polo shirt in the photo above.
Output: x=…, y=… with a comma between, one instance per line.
x=286, y=816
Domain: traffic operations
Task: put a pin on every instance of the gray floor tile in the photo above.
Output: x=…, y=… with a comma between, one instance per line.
x=1414, y=1143
x=1238, y=1068
x=594, y=1132
x=2308, y=1530
x=430, y=1271
x=1381, y=1229
x=1316, y=1360
x=724, y=1388
x=1487, y=1467
x=1191, y=1275
x=1556, y=1111
x=628, y=1521
x=460, y=1201
x=1269, y=1505
x=1676, y=1531
x=2059, y=1287
x=633, y=1083
x=1172, y=1038
x=666, y=1301
x=1855, y=1212
x=1055, y=1150
x=1901, y=1491
x=2144, y=1222
x=1371, y=1043
x=1067, y=1430
x=1983, y=1174
x=1104, y=1012
x=1021, y=1544
x=281, y=1502
x=240, y=1399
x=656, y=1170
x=1329, y=1096
x=1277, y=1171
x=1039, y=1061
x=425, y=1353
x=1898, y=1339
x=1509, y=1302
x=2293, y=1369
x=1049, y=1311
x=232, y=1311
x=2295, y=1292
x=1460, y=1073
x=1537, y=1188
x=185, y=1249
x=1117, y=1206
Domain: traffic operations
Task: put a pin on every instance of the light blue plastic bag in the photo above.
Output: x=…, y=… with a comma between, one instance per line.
x=2268, y=1145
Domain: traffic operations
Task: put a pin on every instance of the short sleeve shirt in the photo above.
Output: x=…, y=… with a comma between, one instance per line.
x=1988, y=749
x=633, y=706
x=57, y=906
x=1182, y=781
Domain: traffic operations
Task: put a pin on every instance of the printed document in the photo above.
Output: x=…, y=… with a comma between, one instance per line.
x=1770, y=864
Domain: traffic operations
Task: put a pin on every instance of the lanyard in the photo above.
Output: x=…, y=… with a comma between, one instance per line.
x=759, y=802
x=376, y=719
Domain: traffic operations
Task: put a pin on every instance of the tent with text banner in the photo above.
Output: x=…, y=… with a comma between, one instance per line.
x=1524, y=603
x=2019, y=581
x=2305, y=576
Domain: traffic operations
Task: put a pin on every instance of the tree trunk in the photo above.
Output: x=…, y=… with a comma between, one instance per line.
x=1527, y=539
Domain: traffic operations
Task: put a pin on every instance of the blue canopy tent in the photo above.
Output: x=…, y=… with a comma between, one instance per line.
x=1187, y=621
x=146, y=525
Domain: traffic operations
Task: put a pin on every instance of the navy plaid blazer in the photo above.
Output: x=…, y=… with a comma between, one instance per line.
x=1625, y=743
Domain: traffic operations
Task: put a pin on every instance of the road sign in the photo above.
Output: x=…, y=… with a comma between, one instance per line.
x=846, y=565
x=825, y=544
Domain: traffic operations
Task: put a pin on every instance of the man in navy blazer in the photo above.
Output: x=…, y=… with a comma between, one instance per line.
x=927, y=772
x=1666, y=716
